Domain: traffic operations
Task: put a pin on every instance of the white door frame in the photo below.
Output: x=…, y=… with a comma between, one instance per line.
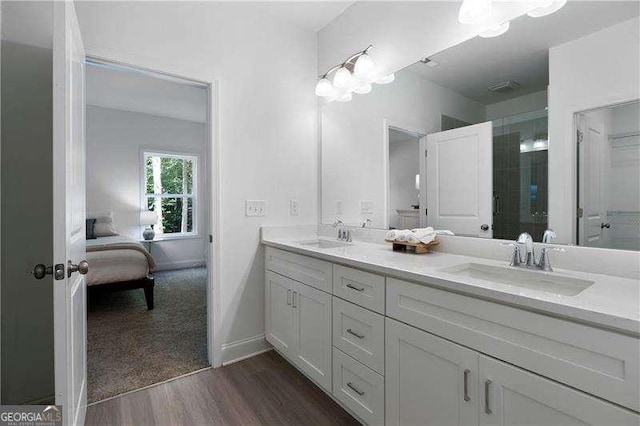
x=388, y=124
x=214, y=345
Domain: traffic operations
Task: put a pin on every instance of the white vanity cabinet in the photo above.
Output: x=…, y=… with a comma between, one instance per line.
x=298, y=324
x=400, y=353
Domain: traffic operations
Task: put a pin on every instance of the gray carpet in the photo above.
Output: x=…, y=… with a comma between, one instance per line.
x=129, y=347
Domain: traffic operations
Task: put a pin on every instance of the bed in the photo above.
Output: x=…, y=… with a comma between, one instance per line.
x=119, y=263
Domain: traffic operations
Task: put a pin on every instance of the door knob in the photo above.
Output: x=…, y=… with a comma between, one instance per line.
x=82, y=267
x=605, y=225
x=484, y=227
x=40, y=270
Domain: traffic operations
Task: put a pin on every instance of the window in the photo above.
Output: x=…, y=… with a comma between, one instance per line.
x=170, y=191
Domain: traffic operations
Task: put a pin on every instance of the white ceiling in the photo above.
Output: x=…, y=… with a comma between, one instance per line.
x=307, y=14
x=522, y=54
x=136, y=91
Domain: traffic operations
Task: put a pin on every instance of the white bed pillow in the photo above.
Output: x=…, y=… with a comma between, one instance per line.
x=104, y=224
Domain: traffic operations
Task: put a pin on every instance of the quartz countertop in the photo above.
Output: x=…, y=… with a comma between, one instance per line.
x=611, y=302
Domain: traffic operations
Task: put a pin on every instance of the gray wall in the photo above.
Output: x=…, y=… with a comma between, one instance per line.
x=27, y=223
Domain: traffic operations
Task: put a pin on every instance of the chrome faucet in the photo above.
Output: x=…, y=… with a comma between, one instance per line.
x=366, y=222
x=343, y=234
x=524, y=246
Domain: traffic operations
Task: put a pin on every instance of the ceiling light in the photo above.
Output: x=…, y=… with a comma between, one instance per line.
x=345, y=97
x=496, y=31
x=343, y=78
x=324, y=87
x=363, y=89
x=474, y=11
x=547, y=8
x=364, y=67
x=386, y=79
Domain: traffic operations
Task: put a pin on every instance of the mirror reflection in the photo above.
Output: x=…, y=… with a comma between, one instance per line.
x=482, y=139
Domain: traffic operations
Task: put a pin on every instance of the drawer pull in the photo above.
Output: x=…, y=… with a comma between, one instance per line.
x=351, y=286
x=487, y=402
x=355, y=389
x=294, y=299
x=289, y=297
x=359, y=336
x=466, y=385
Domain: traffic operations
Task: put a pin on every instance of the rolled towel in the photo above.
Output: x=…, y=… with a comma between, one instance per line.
x=402, y=235
x=391, y=235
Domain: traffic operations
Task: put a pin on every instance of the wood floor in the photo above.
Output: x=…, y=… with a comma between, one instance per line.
x=263, y=390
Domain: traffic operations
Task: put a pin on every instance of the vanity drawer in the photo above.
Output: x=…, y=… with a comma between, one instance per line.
x=602, y=363
x=359, y=388
x=307, y=270
x=362, y=288
x=359, y=333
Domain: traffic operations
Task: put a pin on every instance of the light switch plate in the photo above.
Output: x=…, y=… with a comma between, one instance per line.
x=294, y=207
x=366, y=207
x=254, y=208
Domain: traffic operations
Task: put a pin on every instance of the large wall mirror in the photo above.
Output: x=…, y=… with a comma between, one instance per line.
x=534, y=129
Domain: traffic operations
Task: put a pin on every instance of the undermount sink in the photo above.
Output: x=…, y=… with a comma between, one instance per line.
x=324, y=244
x=535, y=280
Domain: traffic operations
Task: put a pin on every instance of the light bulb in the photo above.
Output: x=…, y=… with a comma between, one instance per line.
x=547, y=9
x=343, y=78
x=364, y=67
x=324, y=87
x=366, y=88
x=386, y=79
x=474, y=11
x=345, y=97
x=496, y=31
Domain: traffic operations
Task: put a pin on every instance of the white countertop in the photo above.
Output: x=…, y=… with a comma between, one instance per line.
x=611, y=302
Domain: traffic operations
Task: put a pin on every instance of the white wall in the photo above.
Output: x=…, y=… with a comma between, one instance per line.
x=578, y=82
x=268, y=118
x=115, y=140
x=401, y=32
x=404, y=165
x=354, y=154
x=527, y=103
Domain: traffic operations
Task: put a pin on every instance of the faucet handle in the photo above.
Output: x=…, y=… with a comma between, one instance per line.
x=516, y=258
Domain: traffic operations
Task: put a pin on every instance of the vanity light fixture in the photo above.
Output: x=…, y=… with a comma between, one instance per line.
x=547, y=8
x=354, y=75
x=474, y=11
x=496, y=31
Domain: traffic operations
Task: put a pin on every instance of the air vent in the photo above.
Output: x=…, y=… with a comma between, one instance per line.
x=504, y=87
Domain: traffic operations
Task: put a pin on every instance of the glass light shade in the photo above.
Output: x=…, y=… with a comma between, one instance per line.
x=342, y=78
x=474, y=11
x=496, y=31
x=361, y=90
x=345, y=97
x=364, y=67
x=547, y=9
x=386, y=79
x=324, y=87
x=148, y=217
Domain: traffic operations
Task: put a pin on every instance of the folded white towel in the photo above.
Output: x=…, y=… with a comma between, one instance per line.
x=420, y=230
x=403, y=235
x=444, y=232
x=391, y=235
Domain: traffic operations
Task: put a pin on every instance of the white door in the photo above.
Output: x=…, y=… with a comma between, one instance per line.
x=592, y=149
x=429, y=380
x=312, y=333
x=459, y=180
x=278, y=312
x=69, y=214
x=511, y=396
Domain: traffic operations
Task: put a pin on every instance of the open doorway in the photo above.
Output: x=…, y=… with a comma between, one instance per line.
x=608, y=214
x=148, y=210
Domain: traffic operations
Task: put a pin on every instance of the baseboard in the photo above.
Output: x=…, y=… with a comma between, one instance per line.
x=182, y=264
x=243, y=349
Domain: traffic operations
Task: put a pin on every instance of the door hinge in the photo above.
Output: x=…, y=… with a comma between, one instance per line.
x=210, y=238
x=580, y=212
x=425, y=152
x=580, y=136
x=425, y=211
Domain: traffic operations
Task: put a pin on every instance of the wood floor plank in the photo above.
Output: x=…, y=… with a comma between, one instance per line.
x=263, y=390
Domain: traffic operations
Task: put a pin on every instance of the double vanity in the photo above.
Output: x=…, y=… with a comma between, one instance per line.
x=444, y=338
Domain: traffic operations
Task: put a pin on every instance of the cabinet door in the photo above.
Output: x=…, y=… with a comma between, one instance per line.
x=278, y=312
x=511, y=396
x=312, y=333
x=429, y=380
